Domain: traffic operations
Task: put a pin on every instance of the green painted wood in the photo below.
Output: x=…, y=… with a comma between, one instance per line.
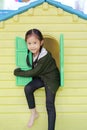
x=21, y=54
x=61, y=60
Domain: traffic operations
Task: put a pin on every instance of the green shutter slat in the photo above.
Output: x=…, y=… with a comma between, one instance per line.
x=21, y=53
x=61, y=60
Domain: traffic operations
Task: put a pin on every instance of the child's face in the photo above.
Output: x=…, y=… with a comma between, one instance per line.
x=34, y=44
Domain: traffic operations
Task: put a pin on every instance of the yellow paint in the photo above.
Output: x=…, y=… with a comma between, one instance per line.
x=71, y=101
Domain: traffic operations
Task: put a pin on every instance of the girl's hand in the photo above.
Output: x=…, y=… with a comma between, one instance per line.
x=17, y=70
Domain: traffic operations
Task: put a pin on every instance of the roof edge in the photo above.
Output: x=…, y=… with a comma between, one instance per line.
x=21, y=10
x=67, y=9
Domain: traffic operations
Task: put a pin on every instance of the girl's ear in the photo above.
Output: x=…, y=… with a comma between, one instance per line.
x=42, y=42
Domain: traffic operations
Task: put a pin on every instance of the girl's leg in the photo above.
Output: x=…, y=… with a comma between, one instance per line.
x=50, y=106
x=34, y=115
x=29, y=92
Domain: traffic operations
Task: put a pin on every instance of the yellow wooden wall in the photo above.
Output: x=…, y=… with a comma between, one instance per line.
x=71, y=101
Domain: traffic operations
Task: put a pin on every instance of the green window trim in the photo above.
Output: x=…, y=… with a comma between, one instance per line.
x=61, y=60
x=21, y=54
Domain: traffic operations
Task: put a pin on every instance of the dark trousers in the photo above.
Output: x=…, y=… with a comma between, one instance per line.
x=29, y=89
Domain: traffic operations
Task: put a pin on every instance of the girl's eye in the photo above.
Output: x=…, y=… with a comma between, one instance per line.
x=29, y=43
x=34, y=42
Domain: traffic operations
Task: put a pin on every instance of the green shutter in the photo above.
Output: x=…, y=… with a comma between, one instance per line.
x=21, y=53
x=61, y=60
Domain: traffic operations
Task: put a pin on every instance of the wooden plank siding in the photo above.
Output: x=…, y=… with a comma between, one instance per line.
x=71, y=100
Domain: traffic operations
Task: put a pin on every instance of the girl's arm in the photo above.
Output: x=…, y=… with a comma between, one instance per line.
x=42, y=63
x=29, y=73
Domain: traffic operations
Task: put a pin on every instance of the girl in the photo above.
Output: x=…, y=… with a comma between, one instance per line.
x=45, y=74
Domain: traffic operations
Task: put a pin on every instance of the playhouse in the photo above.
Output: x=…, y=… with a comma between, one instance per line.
x=53, y=19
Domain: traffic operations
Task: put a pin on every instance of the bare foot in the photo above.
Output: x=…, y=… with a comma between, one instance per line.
x=32, y=119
